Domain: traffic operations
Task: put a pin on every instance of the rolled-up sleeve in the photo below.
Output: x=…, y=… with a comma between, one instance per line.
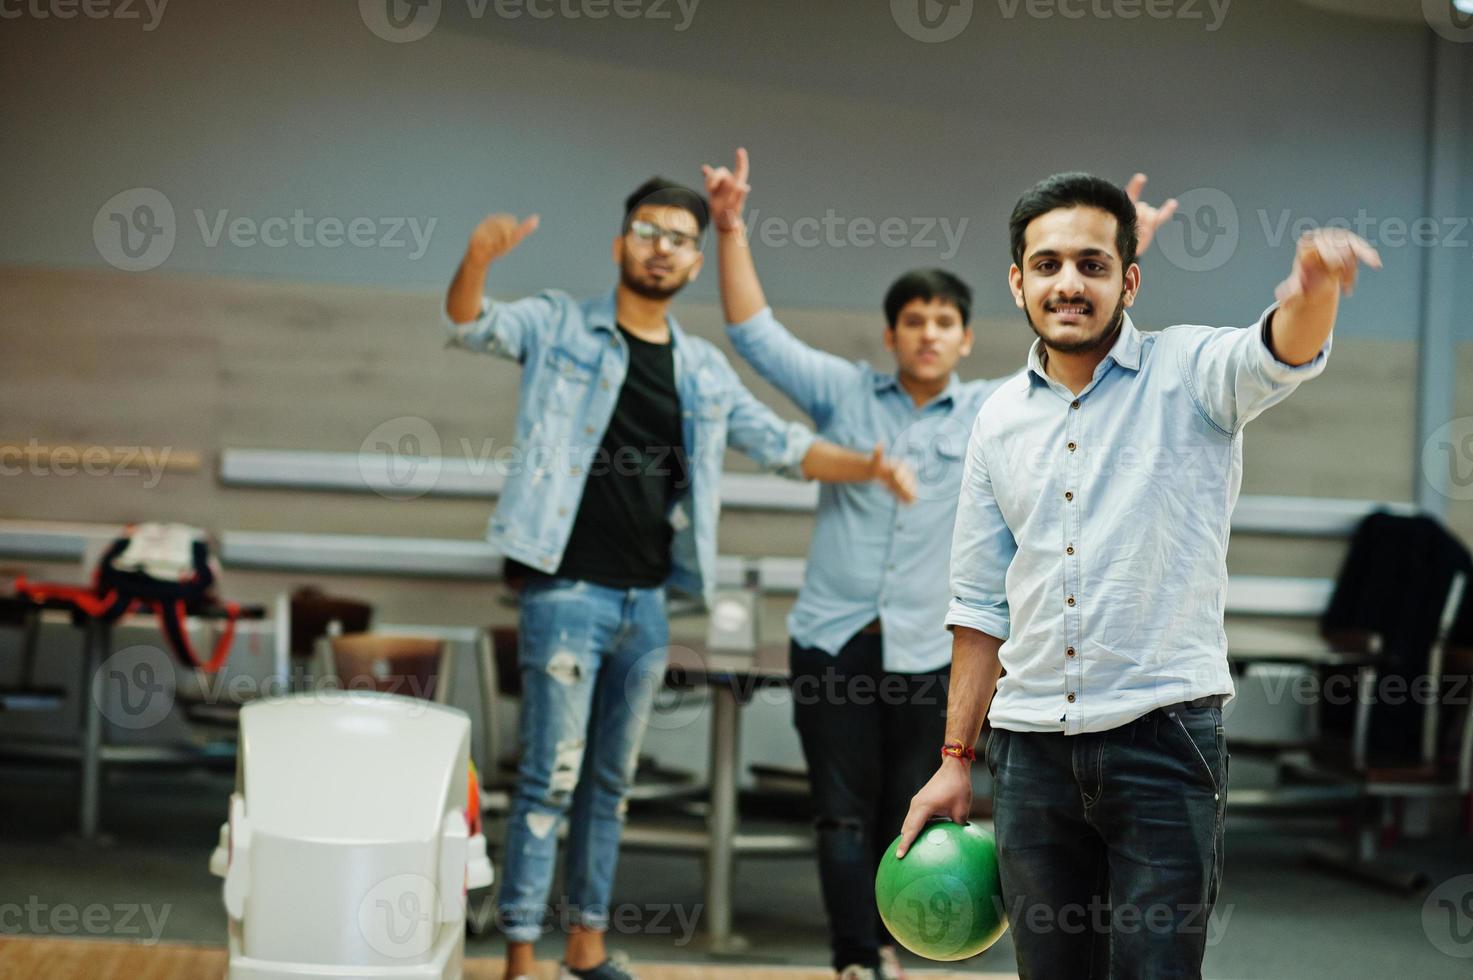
x=813, y=379
x=1234, y=376
x=757, y=431
x=982, y=548
x=508, y=330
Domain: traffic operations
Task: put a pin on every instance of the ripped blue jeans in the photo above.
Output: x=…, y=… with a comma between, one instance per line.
x=592, y=659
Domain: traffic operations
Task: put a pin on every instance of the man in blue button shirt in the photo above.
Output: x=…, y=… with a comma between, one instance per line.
x=1088, y=576
x=623, y=421
x=868, y=654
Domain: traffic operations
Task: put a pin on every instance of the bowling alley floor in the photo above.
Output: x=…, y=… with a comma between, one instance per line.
x=1277, y=919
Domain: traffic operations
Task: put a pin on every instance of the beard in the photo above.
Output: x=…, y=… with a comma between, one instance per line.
x=1084, y=346
x=632, y=276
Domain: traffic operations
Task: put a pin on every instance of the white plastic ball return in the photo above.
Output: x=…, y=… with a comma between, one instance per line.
x=354, y=834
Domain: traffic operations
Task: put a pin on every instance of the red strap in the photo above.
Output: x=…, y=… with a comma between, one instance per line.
x=84, y=598
x=956, y=750
x=222, y=648
x=94, y=605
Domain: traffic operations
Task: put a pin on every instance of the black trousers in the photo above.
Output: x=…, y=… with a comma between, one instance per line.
x=871, y=740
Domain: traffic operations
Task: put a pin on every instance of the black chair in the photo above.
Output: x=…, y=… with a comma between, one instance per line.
x=1390, y=726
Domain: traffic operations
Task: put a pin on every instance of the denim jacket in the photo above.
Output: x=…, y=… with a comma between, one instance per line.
x=573, y=365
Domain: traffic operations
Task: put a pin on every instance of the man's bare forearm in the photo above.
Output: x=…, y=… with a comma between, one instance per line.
x=496, y=235
x=975, y=669
x=1326, y=262
x=463, y=303
x=828, y=463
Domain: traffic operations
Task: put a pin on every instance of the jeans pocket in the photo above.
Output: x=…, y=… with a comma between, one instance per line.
x=1179, y=723
x=990, y=750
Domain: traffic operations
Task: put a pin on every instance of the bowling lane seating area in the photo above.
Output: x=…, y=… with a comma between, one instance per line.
x=1286, y=919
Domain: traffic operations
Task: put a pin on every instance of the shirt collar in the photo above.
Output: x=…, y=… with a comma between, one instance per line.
x=885, y=382
x=600, y=315
x=1126, y=351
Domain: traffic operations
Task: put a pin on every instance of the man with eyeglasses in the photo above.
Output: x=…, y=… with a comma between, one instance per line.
x=623, y=422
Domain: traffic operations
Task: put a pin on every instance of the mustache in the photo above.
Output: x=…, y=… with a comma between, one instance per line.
x=1052, y=305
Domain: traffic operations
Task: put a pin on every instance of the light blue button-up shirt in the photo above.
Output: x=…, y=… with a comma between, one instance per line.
x=872, y=556
x=1092, y=531
x=573, y=365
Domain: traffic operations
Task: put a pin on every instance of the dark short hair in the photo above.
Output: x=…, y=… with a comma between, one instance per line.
x=667, y=193
x=928, y=284
x=1074, y=190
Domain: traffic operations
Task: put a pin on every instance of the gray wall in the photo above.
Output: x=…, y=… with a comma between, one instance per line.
x=264, y=108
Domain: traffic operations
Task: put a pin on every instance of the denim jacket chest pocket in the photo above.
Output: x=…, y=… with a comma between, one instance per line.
x=713, y=397
x=566, y=380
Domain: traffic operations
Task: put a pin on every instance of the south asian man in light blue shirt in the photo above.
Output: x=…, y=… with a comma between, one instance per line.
x=868, y=654
x=1089, y=565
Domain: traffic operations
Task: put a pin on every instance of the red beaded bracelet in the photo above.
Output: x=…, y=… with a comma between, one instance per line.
x=957, y=750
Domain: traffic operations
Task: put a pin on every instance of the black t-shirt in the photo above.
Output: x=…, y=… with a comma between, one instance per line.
x=622, y=534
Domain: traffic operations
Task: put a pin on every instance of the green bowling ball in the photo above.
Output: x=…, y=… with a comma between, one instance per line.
x=944, y=900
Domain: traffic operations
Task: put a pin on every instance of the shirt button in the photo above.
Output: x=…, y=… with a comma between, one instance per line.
x=576, y=471
x=562, y=512
x=1068, y=494
x=1069, y=652
x=1069, y=550
x=1074, y=404
x=1072, y=447
x=613, y=342
x=1071, y=699
x=1070, y=600
x=588, y=429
